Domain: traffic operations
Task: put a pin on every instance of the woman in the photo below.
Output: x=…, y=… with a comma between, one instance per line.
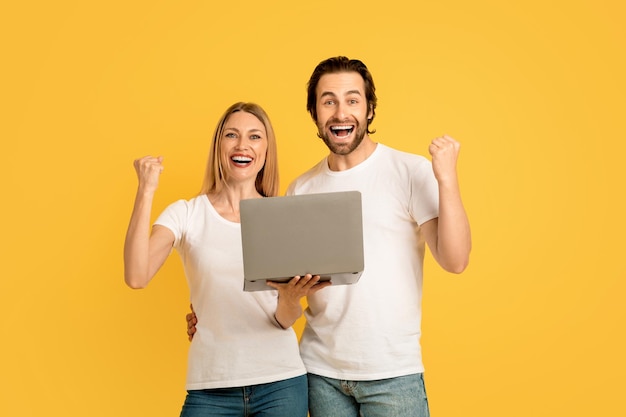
x=244, y=358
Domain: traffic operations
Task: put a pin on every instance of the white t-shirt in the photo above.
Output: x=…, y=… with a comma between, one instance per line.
x=371, y=330
x=237, y=342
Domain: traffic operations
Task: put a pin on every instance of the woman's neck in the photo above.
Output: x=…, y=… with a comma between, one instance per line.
x=226, y=201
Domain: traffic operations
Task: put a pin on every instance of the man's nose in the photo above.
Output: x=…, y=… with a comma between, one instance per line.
x=340, y=111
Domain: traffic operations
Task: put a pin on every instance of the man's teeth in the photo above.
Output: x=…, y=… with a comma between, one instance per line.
x=241, y=159
x=341, y=131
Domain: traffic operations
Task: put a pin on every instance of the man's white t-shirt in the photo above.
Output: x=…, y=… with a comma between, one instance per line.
x=371, y=330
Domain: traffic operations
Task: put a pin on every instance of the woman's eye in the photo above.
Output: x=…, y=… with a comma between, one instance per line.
x=255, y=137
x=230, y=135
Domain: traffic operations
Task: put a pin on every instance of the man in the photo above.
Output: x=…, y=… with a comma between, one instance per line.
x=361, y=343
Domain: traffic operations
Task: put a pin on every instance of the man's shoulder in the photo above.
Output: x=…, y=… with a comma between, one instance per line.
x=306, y=176
x=400, y=156
x=399, y=152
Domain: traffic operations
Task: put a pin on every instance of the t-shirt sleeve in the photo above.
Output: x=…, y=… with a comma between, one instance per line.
x=174, y=217
x=424, y=201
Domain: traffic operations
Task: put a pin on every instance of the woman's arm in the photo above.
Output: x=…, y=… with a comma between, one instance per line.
x=145, y=252
x=288, y=309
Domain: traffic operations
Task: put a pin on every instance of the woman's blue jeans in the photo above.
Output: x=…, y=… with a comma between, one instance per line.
x=286, y=398
x=403, y=396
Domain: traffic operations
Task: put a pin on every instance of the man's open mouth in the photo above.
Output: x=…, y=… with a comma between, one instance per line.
x=341, y=131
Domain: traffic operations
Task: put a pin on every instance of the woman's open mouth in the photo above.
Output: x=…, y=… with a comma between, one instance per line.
x=241, y=160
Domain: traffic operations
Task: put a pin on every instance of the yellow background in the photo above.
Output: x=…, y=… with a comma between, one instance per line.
x=533, y=89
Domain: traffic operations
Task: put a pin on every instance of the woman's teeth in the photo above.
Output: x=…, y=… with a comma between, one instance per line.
x=241, y=159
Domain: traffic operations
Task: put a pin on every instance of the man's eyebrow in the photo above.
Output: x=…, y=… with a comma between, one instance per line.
x=330, y=93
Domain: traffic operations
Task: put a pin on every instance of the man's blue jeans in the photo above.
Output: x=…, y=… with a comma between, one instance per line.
x=403, y=396
x=286, y=398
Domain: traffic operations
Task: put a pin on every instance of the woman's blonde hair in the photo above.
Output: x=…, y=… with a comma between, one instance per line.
x=267, y=178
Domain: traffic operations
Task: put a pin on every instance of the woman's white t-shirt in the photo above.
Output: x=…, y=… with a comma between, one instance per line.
x=238, y=342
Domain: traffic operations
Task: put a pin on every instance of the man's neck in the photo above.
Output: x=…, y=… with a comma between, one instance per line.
x=361, y=153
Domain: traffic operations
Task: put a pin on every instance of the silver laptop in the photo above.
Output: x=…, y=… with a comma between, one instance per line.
x=318, y=234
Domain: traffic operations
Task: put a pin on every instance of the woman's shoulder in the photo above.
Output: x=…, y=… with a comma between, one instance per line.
x=188, y=205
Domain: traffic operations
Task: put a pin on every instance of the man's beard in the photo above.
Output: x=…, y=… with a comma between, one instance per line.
x=343, y=148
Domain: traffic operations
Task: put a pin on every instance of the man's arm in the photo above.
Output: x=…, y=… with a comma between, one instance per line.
x=288, y=308
x=192, y=320
x=448, y=236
